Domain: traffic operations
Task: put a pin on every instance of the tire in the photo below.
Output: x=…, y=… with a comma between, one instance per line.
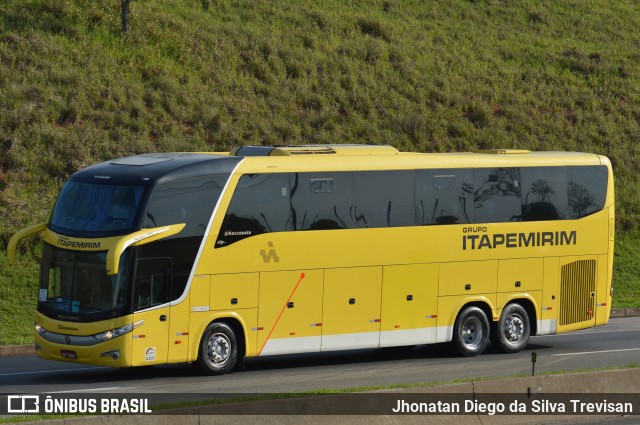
x=513, y=330
x=471, y=332
x=218, y=351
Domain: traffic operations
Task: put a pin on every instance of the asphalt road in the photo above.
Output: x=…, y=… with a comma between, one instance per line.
x=616, y=344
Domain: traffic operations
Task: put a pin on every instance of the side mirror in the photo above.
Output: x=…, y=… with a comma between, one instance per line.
x=21, y=234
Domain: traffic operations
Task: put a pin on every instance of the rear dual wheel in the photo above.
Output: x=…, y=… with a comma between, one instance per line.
x=511, y=334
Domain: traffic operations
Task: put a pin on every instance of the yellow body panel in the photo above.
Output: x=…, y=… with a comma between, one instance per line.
x=234, y=291
x=520, y=275
x=151, y=341
x=603, y=295
x=470, y=278
x=550, y=294
x=289, y=309
x=351, y=308
x=179, y=334
x=409, y=304
x=199, y=294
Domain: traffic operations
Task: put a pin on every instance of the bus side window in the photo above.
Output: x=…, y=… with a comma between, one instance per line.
x=444, y=196
x=544, y=193
x=322, y=201
x=260, y=204
x=190, y=201
x=497, y=195
x=384, y=198
x=152, y=282
x=587, y=189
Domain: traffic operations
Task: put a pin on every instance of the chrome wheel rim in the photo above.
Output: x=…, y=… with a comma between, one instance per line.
x=218, y=350
x=514, y=328
x=472, y=333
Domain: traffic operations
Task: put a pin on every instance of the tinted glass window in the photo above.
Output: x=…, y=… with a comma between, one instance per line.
x=189, y=201
x=586, y=189
x=383, y=198
x=152, y=283
x=497, y=195
x=260, y=204
x=544, y=193
x=443, y=196
x=322, y=201
x=74, y=285
x=96, y=208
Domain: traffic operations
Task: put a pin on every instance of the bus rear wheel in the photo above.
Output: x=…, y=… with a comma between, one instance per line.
x=513, y=330
x=218, y=351
x=471, y=332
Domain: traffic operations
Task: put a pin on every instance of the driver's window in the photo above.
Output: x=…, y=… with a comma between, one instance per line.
x=152, y=282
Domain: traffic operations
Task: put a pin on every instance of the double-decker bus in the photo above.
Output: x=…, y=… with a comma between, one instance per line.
x=213, y=257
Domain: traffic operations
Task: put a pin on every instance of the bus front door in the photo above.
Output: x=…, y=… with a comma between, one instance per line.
x=151, y=295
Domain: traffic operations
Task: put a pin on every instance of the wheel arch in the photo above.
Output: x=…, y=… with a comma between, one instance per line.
x=447, y=321
x=237, y=325
x=483, y=305
x=238, y=329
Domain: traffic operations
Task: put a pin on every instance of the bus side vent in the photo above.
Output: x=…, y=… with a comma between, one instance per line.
x=577, y=290
x=321, y=150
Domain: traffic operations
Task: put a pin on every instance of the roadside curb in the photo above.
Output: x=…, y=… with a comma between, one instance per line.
x=28, y=349
x=624, y=312
x=17, y=350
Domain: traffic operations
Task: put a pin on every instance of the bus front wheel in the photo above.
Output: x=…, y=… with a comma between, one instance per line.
x=471, y=332
x=218, y=349
x=513, y=330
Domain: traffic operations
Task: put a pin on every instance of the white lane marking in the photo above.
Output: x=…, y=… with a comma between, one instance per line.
x=88, y=390
x=594, y=352
x=51, y=371
x=586, y=333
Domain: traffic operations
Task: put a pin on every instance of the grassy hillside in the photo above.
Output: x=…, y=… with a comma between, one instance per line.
x=210, y=74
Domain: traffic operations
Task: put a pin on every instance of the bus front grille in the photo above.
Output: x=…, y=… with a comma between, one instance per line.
x=577, y=292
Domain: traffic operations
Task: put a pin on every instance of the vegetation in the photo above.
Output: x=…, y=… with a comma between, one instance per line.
x=626, y=264
x=209, y=75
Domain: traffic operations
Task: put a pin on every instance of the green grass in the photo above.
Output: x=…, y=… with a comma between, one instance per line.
x=626, y=265
x=212, y=74
x=18, y=296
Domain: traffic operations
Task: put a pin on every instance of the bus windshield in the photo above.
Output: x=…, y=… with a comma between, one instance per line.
x=74, y=286
x=101, y=208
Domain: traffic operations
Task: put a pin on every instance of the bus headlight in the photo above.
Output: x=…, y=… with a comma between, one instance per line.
x=114, y=333
x=39, y=328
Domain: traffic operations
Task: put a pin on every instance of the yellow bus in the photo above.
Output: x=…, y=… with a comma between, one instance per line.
x=213, y=257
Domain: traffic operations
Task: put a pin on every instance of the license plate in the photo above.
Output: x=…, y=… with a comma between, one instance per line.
x=68, y=354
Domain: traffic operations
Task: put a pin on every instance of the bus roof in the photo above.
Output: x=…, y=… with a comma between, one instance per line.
x=165, y=167
x=364, y=157
x=158, y=168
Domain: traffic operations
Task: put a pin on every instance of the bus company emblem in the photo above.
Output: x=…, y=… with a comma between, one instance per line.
x=68, y=243
x=270, y=255
x=515, y=240
x=67, y=339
